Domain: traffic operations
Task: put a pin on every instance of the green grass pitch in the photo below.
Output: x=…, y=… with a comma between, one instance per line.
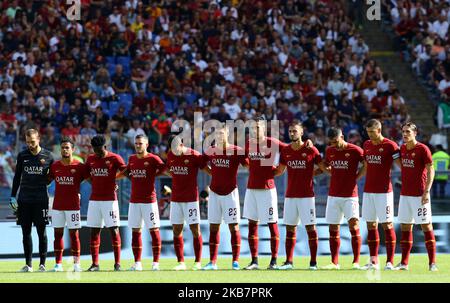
x=418, y=272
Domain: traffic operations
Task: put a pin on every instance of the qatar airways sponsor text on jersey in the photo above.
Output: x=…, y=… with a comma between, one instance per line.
x=379, y=159
x=344, y=169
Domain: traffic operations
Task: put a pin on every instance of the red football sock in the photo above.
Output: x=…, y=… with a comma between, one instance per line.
x=290, y=245
x=373, y=240
x=274, y=239
x=390, y=241
x=198, y=245
x=313, y=241
x=356, y=244
x=156, y=244
x=95, y=246
x=214, y=240
x=430, y=243
x=75, y=244
x=58, y=245
x=136, y=245
x=178, y=244
x=253, y=239
x=236, y=244
x=335, y=243
x=406, y=244
x=117, y=244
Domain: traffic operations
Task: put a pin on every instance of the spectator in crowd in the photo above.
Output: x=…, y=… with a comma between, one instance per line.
x=162, y=61
x=87, y=130
x=134, y=130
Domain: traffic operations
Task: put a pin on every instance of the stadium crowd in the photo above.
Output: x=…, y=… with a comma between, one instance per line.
x=421, y=33
x=130, y=67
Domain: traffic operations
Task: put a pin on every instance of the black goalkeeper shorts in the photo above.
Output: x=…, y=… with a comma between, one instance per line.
x=33, y=213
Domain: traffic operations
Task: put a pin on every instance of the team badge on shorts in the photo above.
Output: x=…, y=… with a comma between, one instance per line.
x=381, y=150
x=73, y=171
x=146, y=163
x=347, y=155
x=42, y=161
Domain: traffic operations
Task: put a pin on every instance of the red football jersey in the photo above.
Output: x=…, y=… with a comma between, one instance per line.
x=379, y=159
x=300, y=169
x=224, y=167
x=344, y=169
x=67, y=184
x=103, y=175
x=142, y=172
x=184, y=170
x=262, y=161
x=414, y=173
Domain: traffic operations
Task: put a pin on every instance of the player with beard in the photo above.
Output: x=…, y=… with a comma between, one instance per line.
x=68, y=174
x=299, y=203
x=31, y=205
x=223, y=204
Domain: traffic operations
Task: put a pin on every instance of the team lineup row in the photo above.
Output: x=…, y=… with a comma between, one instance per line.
x=344, y=162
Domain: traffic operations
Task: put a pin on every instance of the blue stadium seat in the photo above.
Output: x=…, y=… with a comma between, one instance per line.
x=111, y=69
x=124, y=60
x=127, y=106
x=105, y=106
x=168, y=106
x=66, y=108
x=111, y=59
x=113, y=107
x=125, y=98
x=126, y=64
x=191, y=98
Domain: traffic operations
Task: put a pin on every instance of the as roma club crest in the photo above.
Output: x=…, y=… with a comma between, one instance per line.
x=73, y=171
x=42, y=161
x=186, y=161
x=304, y=155
x=108, y=162
x=347, y=155
x=381, y=150
x=413, y=154
x=146, y=163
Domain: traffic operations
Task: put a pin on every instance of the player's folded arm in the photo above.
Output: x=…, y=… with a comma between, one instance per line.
x=279, y=170
x=325, y=167
x=362, y=171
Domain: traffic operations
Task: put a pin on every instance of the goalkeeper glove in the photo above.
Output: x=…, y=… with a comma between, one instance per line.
x=13, y=204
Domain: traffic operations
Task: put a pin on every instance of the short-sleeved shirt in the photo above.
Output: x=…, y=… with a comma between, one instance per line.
x=344, y=170
x=142, y=172
x=379, y=159
x=262, y=159
x=300, y=169
x=67, y=179
x=414, y=173
x=103, y=175
x=224, y=165
x=184, y=170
